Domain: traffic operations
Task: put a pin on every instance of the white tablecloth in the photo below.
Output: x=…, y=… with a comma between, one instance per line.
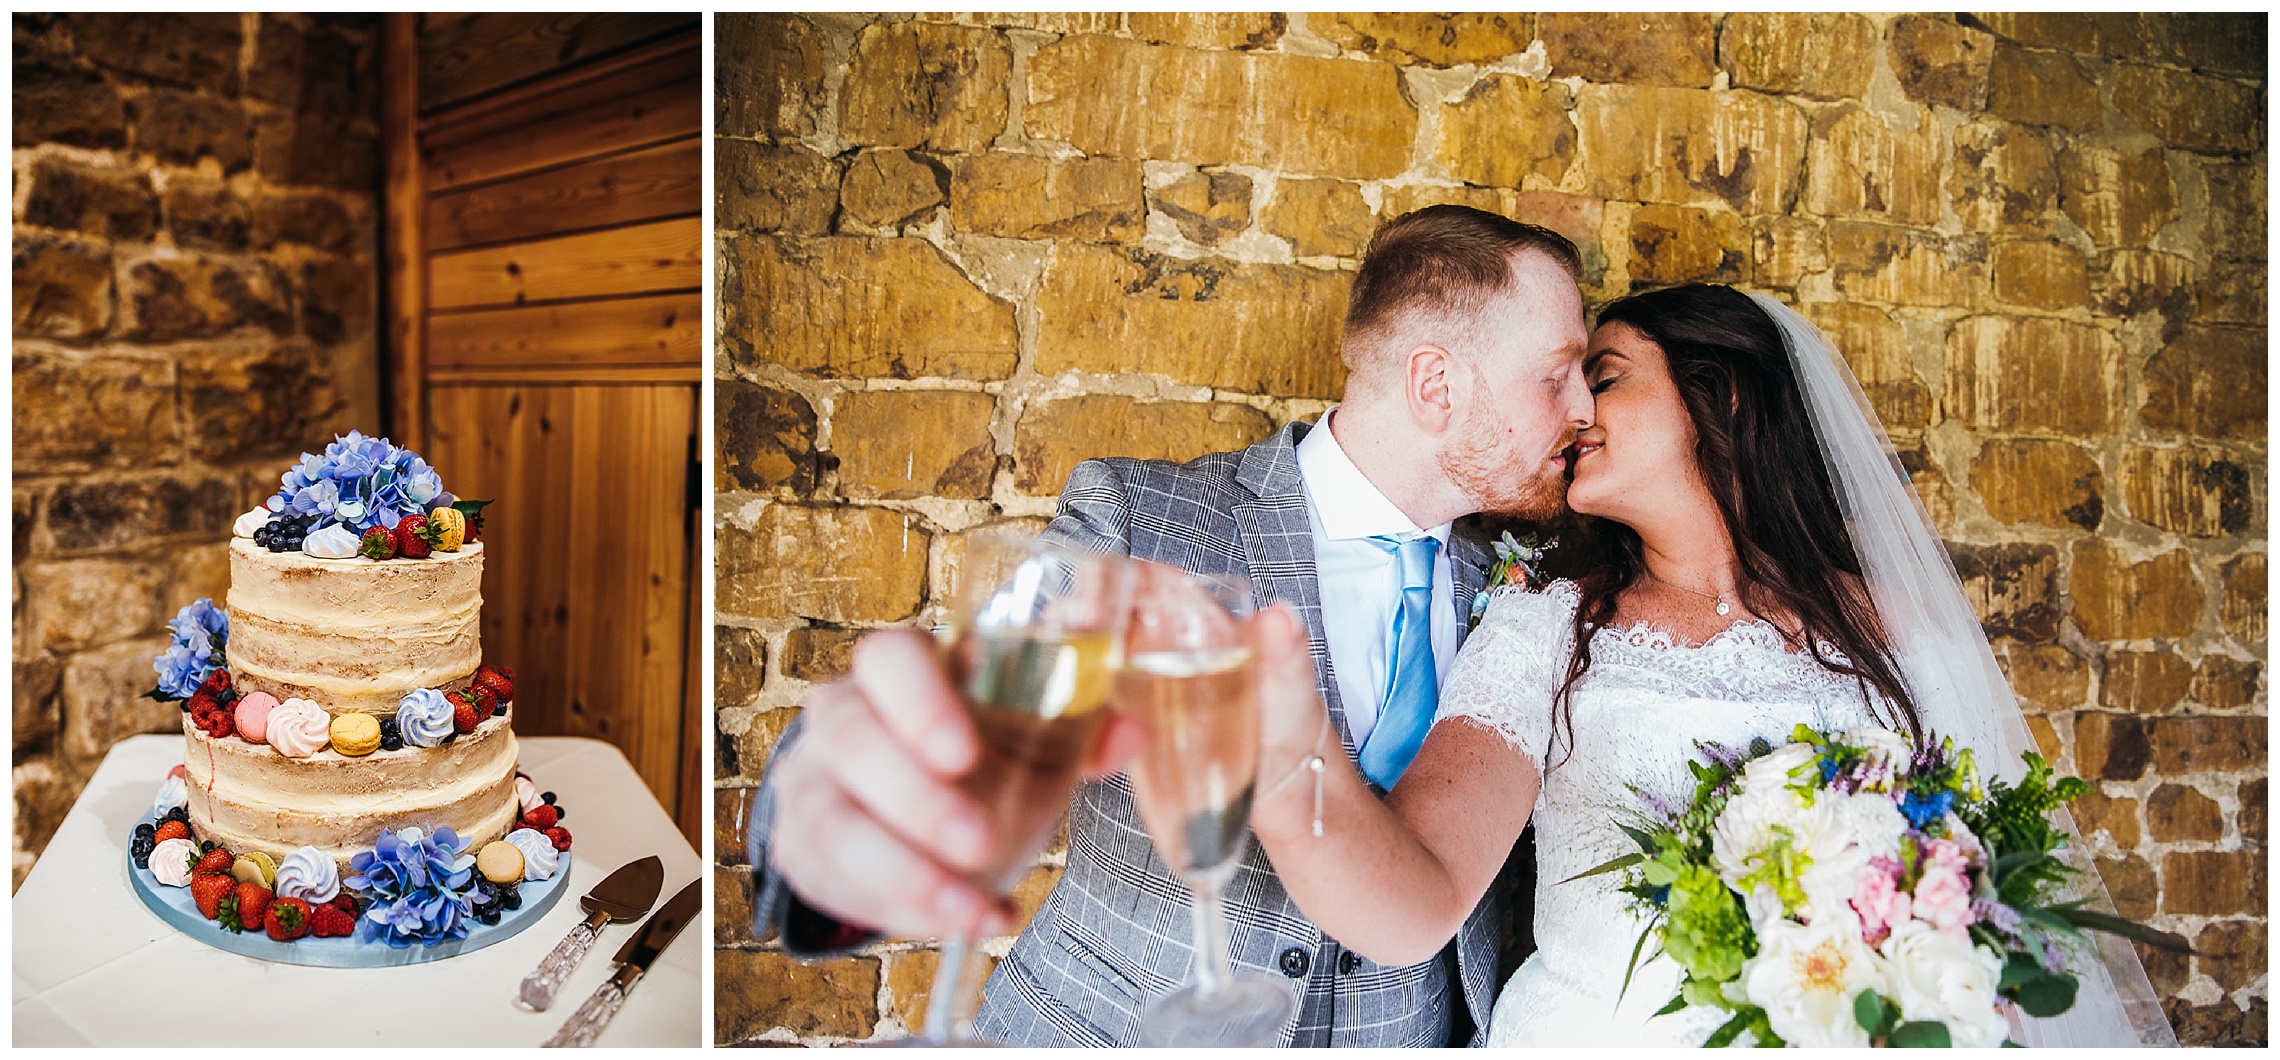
x=93, y=966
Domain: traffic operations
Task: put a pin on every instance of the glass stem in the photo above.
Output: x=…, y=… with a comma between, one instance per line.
x=1213, y=969
x=957, y=992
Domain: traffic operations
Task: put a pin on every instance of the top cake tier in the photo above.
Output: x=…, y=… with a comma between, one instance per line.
x=353, y=634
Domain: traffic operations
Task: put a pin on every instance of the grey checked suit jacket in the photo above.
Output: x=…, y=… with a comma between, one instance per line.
x=1116, y=930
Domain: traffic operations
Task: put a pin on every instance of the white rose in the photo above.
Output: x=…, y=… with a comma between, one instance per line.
x=1761, y=803
x=1805, y=976
x=1937, y=977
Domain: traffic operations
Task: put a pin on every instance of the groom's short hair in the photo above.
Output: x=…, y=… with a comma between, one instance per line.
x=1444, y=262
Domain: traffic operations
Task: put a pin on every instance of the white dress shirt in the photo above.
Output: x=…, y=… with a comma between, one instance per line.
x=1360, y=582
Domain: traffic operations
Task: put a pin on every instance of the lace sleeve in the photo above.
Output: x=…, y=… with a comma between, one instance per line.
x=1511, y=665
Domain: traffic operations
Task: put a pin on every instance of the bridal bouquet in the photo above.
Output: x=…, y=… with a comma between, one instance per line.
x=1849, y=890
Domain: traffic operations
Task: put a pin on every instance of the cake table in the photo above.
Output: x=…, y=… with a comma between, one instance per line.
x=93, y=966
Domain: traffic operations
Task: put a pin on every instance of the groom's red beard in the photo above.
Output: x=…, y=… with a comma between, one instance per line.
x=1534, y=493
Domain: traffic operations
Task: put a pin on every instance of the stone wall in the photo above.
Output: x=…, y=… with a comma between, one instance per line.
x=195, y=275
x=958, y=253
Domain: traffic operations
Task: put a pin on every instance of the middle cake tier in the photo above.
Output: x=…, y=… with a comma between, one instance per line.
x=353, y=634
x=247, y=796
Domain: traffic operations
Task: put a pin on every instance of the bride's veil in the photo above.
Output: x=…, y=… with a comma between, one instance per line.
x=1944, y=658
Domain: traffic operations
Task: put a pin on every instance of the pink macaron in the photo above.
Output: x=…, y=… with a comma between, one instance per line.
x=253, y=716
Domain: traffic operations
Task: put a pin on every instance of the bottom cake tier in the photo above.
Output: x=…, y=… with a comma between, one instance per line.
x=248, y=797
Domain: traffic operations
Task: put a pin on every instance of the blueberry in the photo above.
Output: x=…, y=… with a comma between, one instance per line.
x=388, y=725
x=511, y=898
x=391, y=742
x=560, y=814
x=146, y=828
x=275, y=545
x=179, y=813
x=546, y=797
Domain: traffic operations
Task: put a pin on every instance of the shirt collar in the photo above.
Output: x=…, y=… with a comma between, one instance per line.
x=1346, y=505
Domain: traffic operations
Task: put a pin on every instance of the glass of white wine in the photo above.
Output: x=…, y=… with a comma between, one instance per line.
x=1034, y=641
x=1189, y=675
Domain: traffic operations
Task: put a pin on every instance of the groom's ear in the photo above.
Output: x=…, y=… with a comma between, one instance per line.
x=1430, y=384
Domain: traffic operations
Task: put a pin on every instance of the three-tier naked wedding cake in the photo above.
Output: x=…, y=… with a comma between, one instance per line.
x=348, y=757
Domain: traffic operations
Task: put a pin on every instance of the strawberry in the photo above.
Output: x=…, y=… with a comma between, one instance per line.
x=171, y=830
x=480, y=698
x=217, y=862
x=248, y=908
x=560, y=836
x=208, y=891
x=288, y=919
x=409, y=543
x=542, y=817
x=328, y=922
x=499, y=679
x=463, y=717
x=377, y=543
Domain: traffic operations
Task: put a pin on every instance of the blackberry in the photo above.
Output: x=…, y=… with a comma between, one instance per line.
x=179, y=813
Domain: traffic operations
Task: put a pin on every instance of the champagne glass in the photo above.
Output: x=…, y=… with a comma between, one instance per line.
x=1189, y=675
x=1034, y=642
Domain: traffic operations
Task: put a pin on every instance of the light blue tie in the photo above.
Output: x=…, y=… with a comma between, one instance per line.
x=1414, y=689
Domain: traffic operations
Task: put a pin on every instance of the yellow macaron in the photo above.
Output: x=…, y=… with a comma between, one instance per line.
x=500, y=862
x=355, y=733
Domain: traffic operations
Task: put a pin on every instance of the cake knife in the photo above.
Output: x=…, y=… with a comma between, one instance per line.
x=633, y=959
x=622, y=895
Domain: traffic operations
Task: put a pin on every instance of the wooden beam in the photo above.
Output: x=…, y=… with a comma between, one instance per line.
x=403, y=215
x=491, y=51
x=640, y=259
x=638, y=185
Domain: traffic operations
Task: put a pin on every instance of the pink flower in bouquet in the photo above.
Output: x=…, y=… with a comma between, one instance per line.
x=1943, y=894
x=1878, y=899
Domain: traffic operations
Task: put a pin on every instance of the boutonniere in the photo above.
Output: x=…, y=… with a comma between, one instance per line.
x=1518, y=563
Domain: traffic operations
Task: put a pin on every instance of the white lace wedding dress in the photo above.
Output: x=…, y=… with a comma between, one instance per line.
x=1638, y=714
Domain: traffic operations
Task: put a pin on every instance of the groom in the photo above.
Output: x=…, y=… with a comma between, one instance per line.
x=1464, y=343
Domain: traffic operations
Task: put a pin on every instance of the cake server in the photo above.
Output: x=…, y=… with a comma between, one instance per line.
x=622, y=895
x=633, y=959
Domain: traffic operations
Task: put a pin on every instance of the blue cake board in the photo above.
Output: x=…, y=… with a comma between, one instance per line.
x=175, y=906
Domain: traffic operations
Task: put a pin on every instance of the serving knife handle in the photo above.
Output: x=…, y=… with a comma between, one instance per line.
x=584, y=1025
x=538, y=988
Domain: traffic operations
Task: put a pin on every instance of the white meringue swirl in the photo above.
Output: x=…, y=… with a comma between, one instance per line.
x=309, y=875
x=332, y=542
x=251, y=521
x=171, y=794
x=299, y=728
x=540, y=859
x=423, y=718
x=171, y=861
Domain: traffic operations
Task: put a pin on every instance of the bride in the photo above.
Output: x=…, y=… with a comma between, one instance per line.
x=1757, y=561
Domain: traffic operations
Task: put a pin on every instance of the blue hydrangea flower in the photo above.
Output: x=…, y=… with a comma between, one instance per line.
x=359, y=482
x=201, y=633
x=418, y=886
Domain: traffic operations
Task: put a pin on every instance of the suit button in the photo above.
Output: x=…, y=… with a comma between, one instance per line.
x=1295, y=962
x=1349, y=962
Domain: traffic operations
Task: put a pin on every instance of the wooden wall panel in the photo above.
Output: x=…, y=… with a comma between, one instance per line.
x=551, y=227
x=640, y=184
x=590, y=604
x=659, y=330
x=630, y=106
x=469, y=56
x=661, y=256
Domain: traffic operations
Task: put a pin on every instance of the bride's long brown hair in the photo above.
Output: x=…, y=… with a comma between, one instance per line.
x=1756, y=449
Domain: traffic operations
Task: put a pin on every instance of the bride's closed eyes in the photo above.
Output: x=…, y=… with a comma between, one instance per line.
x=1603, y=370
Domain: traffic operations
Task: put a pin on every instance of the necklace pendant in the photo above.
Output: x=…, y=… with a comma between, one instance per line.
x=1723, y=606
